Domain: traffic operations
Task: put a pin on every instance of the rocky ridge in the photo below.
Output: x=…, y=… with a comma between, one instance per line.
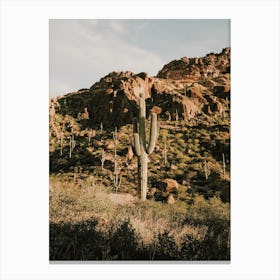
x=183, y=89
x=210, y=66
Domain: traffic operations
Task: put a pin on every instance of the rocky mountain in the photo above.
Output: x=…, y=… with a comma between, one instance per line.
x=183, y=89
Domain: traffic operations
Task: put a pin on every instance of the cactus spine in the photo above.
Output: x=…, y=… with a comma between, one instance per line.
x=141, y=149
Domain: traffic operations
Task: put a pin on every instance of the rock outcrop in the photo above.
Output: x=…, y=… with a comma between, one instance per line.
x=170, y=199
x=170, y=185
x=182, y=90
x=210, y=66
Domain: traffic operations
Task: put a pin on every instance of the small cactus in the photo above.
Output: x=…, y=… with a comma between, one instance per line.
x=176, y=116
x=164, y=155
x=206, y=170
x=72, y=145
x=116, y=178
x=224, y=166
x=61, y=143
x=141, y=149
x=102, y=159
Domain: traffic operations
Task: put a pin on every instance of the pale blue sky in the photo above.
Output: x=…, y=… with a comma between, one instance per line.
x=83, y=51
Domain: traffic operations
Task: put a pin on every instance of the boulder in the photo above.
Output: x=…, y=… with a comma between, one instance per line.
x=152, y=192
x=173, y=167
x=171, y=185
x=170, y=199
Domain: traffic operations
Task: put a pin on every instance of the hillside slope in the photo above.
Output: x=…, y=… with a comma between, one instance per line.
x=193, y=111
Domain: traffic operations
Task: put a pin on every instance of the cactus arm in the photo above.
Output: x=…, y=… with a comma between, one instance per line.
x=135, y=139
x=136, y=144
x=153, y=134
x=142, y=118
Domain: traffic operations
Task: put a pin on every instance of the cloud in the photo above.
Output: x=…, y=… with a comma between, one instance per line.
x=117, y=26
x=81, y=52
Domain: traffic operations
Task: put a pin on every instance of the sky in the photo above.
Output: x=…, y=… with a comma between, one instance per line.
x=83, y=51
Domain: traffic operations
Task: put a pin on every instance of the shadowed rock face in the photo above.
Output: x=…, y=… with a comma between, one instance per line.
x=183, y=89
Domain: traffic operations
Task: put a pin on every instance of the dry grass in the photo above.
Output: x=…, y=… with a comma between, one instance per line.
x=71, y=203
x=76, y=204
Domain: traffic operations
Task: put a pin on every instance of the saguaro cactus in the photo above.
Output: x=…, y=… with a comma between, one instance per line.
x=224, y=166
x=116, y=178
x=141, y=149
x=164, y=155
x=102, y=159
x=72, y=145
x=206, y=170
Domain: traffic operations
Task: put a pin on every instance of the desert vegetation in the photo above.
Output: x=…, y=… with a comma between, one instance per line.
x=117, y=194
x=93, y=223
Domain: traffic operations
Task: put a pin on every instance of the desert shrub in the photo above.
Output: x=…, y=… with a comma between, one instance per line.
x=181, y=143
x=166, y=248
x=190, y=140
x=192, y=248
x=225, y=192
x=83, y=241
x=210, y=247
x=215, y=215
x=123, y=242
x=179, y=156
x=183, y=193
x=75, y=241
x=163, y=135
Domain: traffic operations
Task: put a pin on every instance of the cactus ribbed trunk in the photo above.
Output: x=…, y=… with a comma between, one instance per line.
x=143, y=165
x=143, y=182
x=141, y=150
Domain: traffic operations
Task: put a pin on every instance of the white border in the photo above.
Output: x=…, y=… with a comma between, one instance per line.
x=255, y=138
